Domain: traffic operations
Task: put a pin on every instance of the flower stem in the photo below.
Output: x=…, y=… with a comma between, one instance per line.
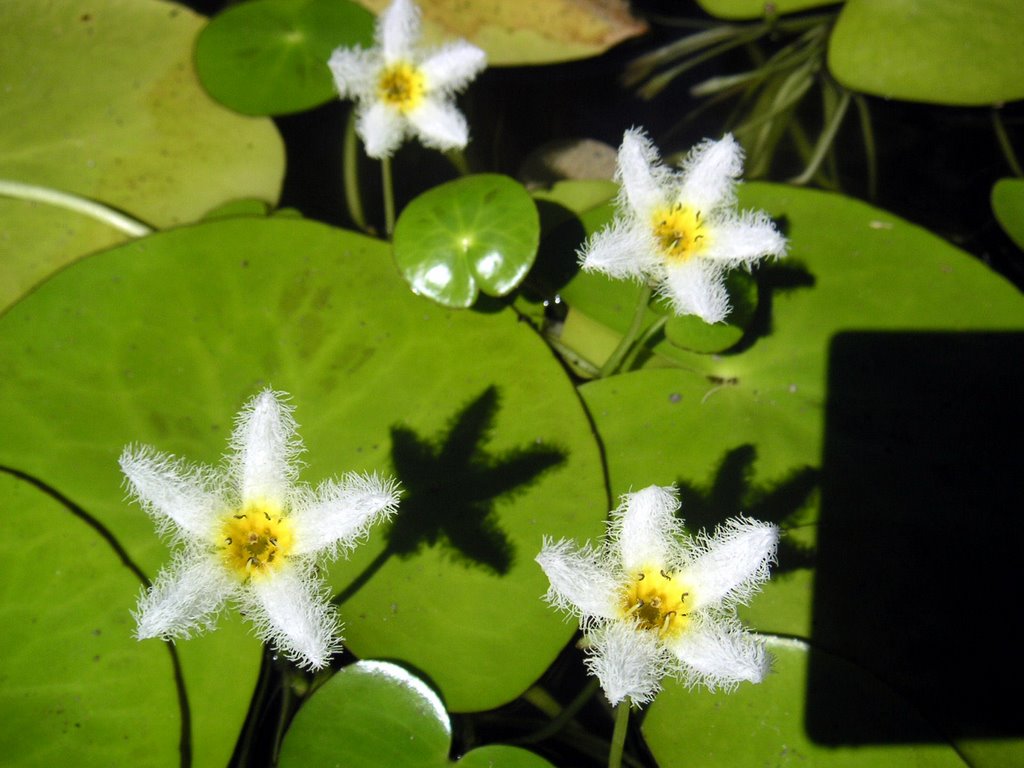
x=389, y=196
x=350, y=174
x=612, y=363
x=72, y=202
x=560, y=717
x=618, y=735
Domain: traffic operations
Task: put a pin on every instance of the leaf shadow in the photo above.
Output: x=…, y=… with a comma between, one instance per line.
x=452, y=485
x=772, y=278
x=732, y=491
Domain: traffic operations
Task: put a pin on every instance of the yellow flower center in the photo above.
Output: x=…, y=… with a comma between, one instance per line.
x=680, y=232
x=658, y=601
x=402, y=86
x=255, y=541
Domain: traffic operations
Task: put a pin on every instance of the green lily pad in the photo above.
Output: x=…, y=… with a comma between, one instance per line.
x=162, y=340
x=382, y=715
x=477, y=233
x=269, y=57
x=764, y=724
x=100, y=100
x=938, y=51
x=1008, y=207
x=690, y=332
x=75, y=682
x=755, y=9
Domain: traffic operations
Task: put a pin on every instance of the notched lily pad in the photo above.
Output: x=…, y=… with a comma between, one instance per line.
x=478, y=233
x=269, y=57
x=382, y=715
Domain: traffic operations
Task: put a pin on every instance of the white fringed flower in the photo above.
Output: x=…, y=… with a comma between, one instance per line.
x=653, y=602
x=401, y=90
x=250, y=534
x=680, y=232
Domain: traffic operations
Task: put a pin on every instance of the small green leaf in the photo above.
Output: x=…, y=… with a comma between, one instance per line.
x=477, y=233
x=269, y=57
x=374, y=713
x=1008, y=207
x=939, y=51
x=690, y=332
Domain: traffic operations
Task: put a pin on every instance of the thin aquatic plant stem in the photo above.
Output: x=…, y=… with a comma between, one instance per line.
x=389, y=196
x=350, y=174
x=619, y=735
x=1004, y=143
x=825, y=140
x=868, y=134
x=560, y=719
x=612, y=363
x=76, y=203
x=641, y=343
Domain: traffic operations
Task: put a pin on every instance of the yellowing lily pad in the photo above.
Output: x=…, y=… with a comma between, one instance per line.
x=269, y=57
x=100, y=100
x=531, y=32
x=161, y=340
x=380, y=714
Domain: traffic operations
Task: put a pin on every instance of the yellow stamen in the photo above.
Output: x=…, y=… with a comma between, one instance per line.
x=402, y=86
x=255, y=541
x=658, y=601
x=680, y=232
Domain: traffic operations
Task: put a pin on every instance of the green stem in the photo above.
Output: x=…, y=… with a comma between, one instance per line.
x=389, y=196
x=824, y=141
x=868, y=134
x=612, y=363
x=641, y=343
x=350, y=174
x=72, y=202
x=562, y=717
x=1004, y=143
x=618, y=735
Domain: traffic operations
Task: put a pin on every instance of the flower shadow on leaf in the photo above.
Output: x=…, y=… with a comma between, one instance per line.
x=732, y=491
x=452, y=485
x=773, y=277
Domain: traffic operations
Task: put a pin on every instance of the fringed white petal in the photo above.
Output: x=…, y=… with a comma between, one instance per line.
x=645, y=528
x=452, y=67
x=439, y=125
x=744, y=239
x=180, y=498
x=645, y=181
x=582, y=583
x=709, y=174
x=622, y=250
x=185, y=597
x=398, y=30
x=382, y=130
x=720, y=655
x=291, y=612
x=339, y=514
x=629, y=663
x=265, y=449
x=355, y=71
x=734, y=562
x=696, y=287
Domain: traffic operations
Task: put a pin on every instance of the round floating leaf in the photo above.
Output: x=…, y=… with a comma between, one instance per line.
x=766, y=724
x=269, y=57
x=75, y=681
x=531, y=32
x=374, y=713
x=939, y=51
x=162, y=340
x=1008, y=206
x=475, y=233
x=756, y=9
x=100, y=99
